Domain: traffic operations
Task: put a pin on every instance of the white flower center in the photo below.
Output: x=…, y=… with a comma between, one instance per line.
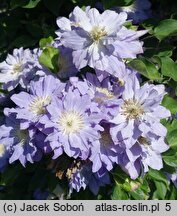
x=17, y=68
x=22, y=135
x=97, y=33
x=37, y=106
x=132, y=109
x=71, y=122
x=2, y=150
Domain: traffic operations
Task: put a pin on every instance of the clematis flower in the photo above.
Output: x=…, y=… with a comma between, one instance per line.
x=80, y=176
x=31, y=107
x=104, y=152
x=145, y=153
x=152, y=147
x=22, y=143
x=105, y=93
x=96, y=38
x=17, y=69
x=139, y=112
x=75, y=123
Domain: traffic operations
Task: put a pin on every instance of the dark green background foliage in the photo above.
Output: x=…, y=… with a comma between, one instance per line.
x=29, y=23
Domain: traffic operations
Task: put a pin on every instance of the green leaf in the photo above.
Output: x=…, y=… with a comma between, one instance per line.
x=18, y=3
x=138, y=189
x=156, y=48
x=171, y=160
x=45, y=42
x=172, y=139
x=172, y=194
x=171, y=126
x=129, y=25
x=161, y=190
x=113, y=3
x=166, y=28
x=49, y=58
x=170, y=104
x=32, y=4
x=119, y=193
x=145, y=67
x=139, y=194
x=165, y=53
x=169, y=67
x=149, y=24
x=158, y=176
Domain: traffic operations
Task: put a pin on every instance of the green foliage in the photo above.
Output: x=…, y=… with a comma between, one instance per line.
x=161, y=190
x=18, y=3
x=119, y=193
x=172, y=141
x=145, y=67
x=32, y=4
x=29, y=23
x=44, y=42
x=166, y=28
x=170, y=160
x=170, y=104
x=170, y=157
x=125, y=188
x=172, y=193
x=24, y=3
x=49, y=58
x=168, y=67
x=158, y=176
x=161, y=184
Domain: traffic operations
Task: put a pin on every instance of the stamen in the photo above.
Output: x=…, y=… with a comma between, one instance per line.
x=97, y=33
x=17, y=68
x=2, y=150
x=37, y=106
x=71, y=122
x=107, y=94
x=132, y=109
